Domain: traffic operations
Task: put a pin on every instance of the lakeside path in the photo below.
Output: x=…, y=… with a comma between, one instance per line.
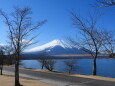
x=8, y=80
x=59, y=79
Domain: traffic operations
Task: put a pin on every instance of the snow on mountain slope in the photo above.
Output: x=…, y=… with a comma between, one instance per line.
x=50, y=45
x=55, y=47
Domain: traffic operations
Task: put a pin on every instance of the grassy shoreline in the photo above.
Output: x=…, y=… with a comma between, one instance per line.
x=72, y=74
x=79, y=75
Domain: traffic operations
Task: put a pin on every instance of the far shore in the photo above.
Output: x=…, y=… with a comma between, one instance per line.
x=67, y=56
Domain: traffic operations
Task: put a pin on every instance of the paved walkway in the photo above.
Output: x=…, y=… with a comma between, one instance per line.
x=58, y=79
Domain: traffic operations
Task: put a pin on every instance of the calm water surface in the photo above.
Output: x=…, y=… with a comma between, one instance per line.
x=105, y=67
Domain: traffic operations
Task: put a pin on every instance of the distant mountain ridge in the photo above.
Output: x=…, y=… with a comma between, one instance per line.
x=56, y=47
x=50, y=45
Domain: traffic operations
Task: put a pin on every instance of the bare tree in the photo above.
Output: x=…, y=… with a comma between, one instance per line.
x=10, y=59
x=71, y=65
x=91, y=41
x=109, y=43
x=42, y=60
x=46, y=61
x=105, y=3
x=50, y=63
x=2, y=56
x=20, y=27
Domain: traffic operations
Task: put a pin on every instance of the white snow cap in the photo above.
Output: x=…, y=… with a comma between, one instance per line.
x=51, y=44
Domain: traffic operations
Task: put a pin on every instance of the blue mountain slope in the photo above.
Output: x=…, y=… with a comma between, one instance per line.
x=55, y=47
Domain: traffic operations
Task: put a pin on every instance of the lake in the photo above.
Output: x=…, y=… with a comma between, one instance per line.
x=105, y=67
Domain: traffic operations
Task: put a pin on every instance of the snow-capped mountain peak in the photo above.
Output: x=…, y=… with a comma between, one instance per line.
x=50, y=45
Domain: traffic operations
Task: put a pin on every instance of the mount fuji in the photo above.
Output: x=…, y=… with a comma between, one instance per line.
x=56, y=47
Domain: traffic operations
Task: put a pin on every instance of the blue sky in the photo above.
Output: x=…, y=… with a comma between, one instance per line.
x=59, y=23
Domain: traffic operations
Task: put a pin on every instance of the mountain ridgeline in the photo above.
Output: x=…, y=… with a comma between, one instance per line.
x=55, y=49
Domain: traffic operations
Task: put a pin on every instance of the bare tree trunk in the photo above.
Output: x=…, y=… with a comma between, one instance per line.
x=17, y=74
x=1, y=71
x=42, y=67
x=1, y=68
x=94, y=67
x=70, y=69
x=17, y=82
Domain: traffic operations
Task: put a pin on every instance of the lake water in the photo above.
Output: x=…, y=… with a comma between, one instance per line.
x=105, y=67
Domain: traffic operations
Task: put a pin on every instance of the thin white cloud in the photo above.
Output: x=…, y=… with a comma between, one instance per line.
x=2, y=44
x=26, y=41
